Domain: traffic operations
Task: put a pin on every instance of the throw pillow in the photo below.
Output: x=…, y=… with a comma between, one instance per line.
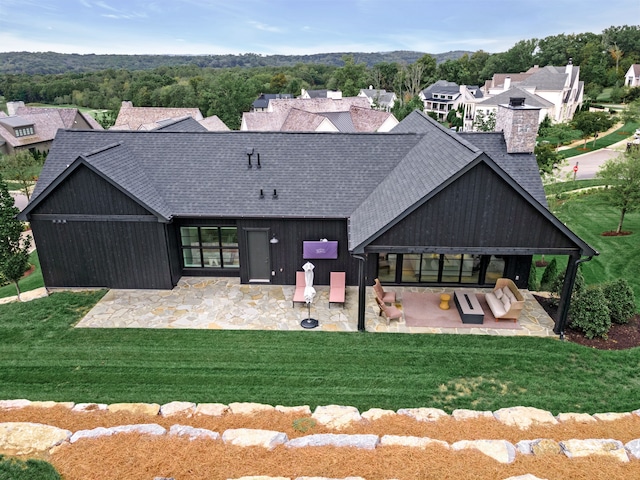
x=499, y=294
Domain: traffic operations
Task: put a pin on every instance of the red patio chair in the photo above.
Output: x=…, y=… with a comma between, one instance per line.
x=298, y=295
x=385, y=297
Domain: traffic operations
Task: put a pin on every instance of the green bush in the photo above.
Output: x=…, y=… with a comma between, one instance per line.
x=589, y=312
x=549, y=276
x=620, y=300
x=532, y=283
x=13, y=469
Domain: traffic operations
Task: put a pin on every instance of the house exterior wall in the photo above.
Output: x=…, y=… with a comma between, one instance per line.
x=89, y=234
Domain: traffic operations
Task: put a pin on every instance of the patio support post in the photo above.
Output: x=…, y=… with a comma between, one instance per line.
x=362, y=292
x=567, y=289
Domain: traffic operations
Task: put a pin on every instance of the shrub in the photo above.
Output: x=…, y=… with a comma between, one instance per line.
x=15, y=469
x=532, y=283
x=578, y=285
x=549, y=276
x=620, y=300
x=589, y=312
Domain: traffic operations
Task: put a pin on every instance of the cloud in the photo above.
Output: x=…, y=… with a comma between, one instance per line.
x=264, y=27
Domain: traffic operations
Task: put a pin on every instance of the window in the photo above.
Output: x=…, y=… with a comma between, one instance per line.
x=24, y=131
x=209, y=247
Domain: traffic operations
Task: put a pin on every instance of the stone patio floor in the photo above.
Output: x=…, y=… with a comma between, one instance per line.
x=224, y=303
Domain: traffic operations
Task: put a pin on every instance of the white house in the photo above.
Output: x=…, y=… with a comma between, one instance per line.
x=632, y=77
x=379, y=99
x=442, y=97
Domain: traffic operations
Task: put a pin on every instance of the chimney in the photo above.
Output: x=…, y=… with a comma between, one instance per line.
x=519, y=124
x=507, y=83
x=12, y=107
x=568, y=69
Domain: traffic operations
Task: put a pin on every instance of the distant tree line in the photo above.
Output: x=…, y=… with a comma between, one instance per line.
x=229, y=89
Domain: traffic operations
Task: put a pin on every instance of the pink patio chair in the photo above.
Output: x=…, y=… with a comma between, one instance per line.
x=391, y=312
x=385, y=297
x=298, y=295
x=337, y=288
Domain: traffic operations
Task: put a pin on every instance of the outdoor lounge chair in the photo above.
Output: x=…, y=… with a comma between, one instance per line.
x=385, y=297
x=337, y=288
x=298, y=295
x=391, y=312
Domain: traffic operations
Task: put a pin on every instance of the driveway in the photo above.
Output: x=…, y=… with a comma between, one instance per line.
x=589, y=163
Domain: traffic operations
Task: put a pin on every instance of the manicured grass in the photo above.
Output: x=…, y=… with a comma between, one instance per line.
x=589, y=216
x=43, y=358
x=14, y=469
x=30, y=282
x=620, y=134
x=562, y=187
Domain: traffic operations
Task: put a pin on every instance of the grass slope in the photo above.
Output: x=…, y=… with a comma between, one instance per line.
x=623, y=132
x=43, y=358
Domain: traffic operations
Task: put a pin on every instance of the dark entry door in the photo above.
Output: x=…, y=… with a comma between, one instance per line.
x=259, y=256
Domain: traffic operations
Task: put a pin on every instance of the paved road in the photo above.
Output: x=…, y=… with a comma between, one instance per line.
x=20, y=199
x=588, y=163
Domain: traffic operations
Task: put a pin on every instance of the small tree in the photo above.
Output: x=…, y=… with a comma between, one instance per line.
x=589, y=312
x=484, y=122
x=547, y=157
x=549, y=276
x=14, y=250
x=622, y=174
x=532, y=284
x=620, y=300
x=23, y=167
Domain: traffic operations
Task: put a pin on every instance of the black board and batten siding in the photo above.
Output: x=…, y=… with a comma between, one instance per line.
x=90, y=234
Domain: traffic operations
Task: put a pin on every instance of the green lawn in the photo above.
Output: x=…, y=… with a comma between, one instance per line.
x=43, y=358
x=620, y=134
x=590, y=215
x=31, y=282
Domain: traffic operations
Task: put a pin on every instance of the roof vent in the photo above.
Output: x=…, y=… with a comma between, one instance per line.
x=249, y=153
x=275, y=194
x=261, y=194
x=516, y=102
x=258, y=166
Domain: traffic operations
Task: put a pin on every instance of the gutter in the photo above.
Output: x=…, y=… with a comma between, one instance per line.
x=362, y=292
x=565, y=311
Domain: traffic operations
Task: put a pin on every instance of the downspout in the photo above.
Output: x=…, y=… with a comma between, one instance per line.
x=567, y=289
x=362, y=292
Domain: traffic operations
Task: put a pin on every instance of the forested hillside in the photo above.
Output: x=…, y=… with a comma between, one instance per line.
x=227, y=91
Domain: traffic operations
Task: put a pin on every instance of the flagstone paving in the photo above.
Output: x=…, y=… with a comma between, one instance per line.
x=224, y=303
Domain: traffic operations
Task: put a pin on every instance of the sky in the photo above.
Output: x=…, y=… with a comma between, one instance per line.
x=296, y=27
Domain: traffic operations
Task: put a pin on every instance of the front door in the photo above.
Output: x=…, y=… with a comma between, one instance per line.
x=259, y=257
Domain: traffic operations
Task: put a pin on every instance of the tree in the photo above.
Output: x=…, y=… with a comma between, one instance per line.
x=14, y=250
x=484, y=122
x=403, y=108
x=413, y=79
x=632, y=112
x=349, y=78
x=622, y=174
x=23, y=167
x=590, y=123
x=616, y=54
x=547, y=157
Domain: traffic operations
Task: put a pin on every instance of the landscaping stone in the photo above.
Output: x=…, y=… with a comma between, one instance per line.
x=135, y=408
x=336, y=416
x=10, y=404
x=24, y=438
x=300, y=410
x=527, y=476
x=633, y=448
x=409, y=441
x=576, y=417
x=193, y=433
x=212, y=409
x=259, y=477
x=595, y=446
x=423, y=414
x=326, y=478
x=524, y=417
x=93, y=433
x=247, y=408
x=247, y=437
x=610, y=416
x=89, y=407
x=143, y=428
x=367, y=441
x=376, y=414
x=465, y=414
x=34, y=294
x=500, y=450
x=545, y=446
x=173, y=408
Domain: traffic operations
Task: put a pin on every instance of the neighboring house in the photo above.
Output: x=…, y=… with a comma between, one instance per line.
x=150, y=118
x=559, y=85
x=632, y=77
x=307, y=94
x=350, y=114
x=442, y=96
x=261, y=104
x=490, y=105
x=379, y=99
x=127, y=209
x=34, y=128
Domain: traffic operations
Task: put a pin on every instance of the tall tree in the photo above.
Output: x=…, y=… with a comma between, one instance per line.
x=14, y=250
x=622, y=174
x=349, y=78
x=23, y=167
x=590, y=123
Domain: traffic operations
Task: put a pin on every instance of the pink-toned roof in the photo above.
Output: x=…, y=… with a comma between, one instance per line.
x=499, y=78
x=213, y=124
x=301, y=121
x=68, y=115
x=46, y=124
x=368, y=120
x=318, y=105
x=132, y=118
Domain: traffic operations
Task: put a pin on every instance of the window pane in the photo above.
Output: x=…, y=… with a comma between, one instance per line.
x=189, y=236
x=430, y=266
x=495, y=270
x=410, y=268
x=471, y=268
x=229, y=236
x=211, y=258
x=451, y=268
x=191, y=257
x=230, y=258
x=209, y=236
x=387, y=267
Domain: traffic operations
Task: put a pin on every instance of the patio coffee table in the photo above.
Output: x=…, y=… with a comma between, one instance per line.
x=468, y=307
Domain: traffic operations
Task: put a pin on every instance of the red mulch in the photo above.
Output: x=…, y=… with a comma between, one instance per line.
x=613, y=233
x=620, y=337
